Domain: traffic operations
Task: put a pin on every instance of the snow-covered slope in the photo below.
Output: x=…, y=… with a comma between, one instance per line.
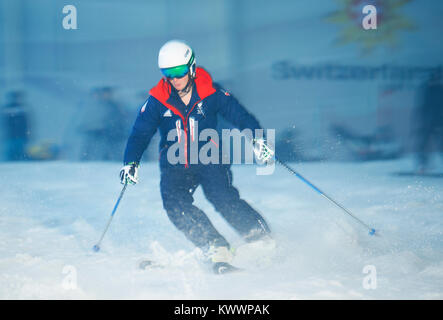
x=52, y=213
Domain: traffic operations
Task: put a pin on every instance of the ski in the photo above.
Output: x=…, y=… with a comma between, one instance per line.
x=150, y=264
x=217, y=267
x=224, y=268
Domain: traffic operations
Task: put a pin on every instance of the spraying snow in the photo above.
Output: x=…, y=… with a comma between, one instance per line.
x=52, y=213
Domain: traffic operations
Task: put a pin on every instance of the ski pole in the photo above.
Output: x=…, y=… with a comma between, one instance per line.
x=371, y=230
x=96, y=247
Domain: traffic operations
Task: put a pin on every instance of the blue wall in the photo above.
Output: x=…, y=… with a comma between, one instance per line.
x=303, y=64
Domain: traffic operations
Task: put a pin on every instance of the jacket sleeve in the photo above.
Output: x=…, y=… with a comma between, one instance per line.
x=145, y=126
x=234, y=112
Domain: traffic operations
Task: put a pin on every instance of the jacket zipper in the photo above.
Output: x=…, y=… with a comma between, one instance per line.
x=185, y=125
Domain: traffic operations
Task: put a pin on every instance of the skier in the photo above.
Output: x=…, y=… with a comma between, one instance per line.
x=429, y=121
x=172, y=106
x=103, y=123
x=16, y=120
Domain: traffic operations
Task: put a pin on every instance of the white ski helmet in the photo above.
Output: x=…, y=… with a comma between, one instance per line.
x=176, y=59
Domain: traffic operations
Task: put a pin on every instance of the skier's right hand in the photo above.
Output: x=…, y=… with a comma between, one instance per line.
x=129, y=173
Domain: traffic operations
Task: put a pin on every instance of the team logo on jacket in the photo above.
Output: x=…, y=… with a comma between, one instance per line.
x=167, y=113
x=200, y=108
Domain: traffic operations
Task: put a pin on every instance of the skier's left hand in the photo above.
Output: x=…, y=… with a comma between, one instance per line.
x=262, y=151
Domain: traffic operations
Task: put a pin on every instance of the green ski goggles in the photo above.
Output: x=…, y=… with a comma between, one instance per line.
x=175, y=72
x=178, y=71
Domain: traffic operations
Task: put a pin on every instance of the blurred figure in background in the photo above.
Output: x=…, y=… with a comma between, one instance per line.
x=117, y=125
x=92, y=125
x=429, y=121
x=380, y=145
x=16, y=123
x=103, y=124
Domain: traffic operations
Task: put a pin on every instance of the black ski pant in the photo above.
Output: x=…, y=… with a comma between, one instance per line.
x=177, y=186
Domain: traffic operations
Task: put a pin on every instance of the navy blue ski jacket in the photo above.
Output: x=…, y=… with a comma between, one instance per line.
x=165, y=111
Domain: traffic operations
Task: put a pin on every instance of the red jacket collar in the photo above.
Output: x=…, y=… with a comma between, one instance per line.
x=203, y=83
